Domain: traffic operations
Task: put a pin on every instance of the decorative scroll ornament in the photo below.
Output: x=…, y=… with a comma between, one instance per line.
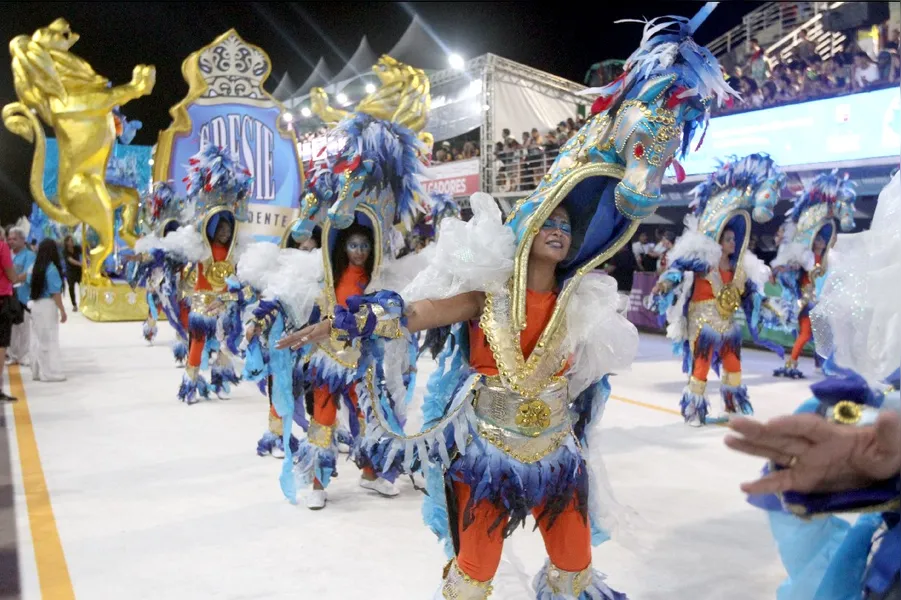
x=232, y=68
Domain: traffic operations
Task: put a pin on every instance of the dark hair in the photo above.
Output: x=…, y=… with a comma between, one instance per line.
x=316, y=236
x=340, y=260
x=48, y=253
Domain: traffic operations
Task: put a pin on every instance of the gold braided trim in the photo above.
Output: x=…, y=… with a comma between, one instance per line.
x=320, y=435
x=696, y=386
x=568, y=583
x=460, y=586
x=731, y=379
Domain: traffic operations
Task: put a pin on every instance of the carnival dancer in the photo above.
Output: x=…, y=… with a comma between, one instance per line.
x=218, y=187
x=711, y=275
x=825, y=204
x=377, y=186
x=840, y=452
x=522, y=381
x=164, y=259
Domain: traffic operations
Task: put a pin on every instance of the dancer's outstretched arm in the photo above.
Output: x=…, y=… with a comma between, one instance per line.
x=421, y=315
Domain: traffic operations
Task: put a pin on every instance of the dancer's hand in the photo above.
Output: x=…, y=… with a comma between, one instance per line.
x=63, y=317
x=308, y=335
x=821, y=456
x=661, y=287
x=252, y=331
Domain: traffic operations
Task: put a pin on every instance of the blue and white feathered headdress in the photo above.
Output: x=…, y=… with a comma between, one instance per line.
x=216, y=178
x=388, y=155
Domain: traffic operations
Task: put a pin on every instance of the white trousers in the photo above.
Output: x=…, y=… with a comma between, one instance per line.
x=20, y=343
x=46, y=357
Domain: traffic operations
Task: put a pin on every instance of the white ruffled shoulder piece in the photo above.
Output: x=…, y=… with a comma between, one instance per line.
x=793, y=254
x=858, y=315
x=600, y=338
x=397, y=274
x=469, y=256
x=694, y=245
x=257, y=264
x=755, y=269
x=296, y=282
x=185, y=242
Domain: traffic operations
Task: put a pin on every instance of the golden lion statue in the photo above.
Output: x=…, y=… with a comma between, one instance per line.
x=66, y=93
x=403, y=97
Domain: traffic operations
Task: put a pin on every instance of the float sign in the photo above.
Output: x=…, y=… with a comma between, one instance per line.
x=226, y=105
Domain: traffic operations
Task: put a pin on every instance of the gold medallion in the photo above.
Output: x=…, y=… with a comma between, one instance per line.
x=728, y=300
x=218, y=272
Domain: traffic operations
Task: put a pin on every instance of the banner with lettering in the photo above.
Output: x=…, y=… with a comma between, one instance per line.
x=227, y=106
x=459, y=178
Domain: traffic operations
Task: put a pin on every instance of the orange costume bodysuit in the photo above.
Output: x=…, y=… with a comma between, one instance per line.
x=568, y=539
x=195, y=355
x=353, y=282
x=804, y=330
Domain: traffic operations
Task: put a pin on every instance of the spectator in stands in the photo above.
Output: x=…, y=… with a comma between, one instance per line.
x=805, y=50
x=886, y=62
x=551, y=146
x=865, y=70
x=760, y=68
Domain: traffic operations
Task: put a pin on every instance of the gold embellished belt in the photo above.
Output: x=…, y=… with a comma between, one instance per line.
x=202, y=302
x=528, y=429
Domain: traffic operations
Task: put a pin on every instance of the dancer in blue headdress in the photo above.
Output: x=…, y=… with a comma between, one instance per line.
x=841, y=451
x=512, y=413
x=712, y=274
x=809, y=232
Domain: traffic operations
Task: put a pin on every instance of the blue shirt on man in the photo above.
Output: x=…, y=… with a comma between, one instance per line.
x=23, y=261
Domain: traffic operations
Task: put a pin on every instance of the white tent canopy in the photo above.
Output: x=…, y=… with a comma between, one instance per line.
x=359, y=64
x=320, y=77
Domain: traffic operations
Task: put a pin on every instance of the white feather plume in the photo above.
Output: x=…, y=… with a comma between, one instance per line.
x=694, y=245
x=185, y=242
x=755, y=269
x=296, y=281
x=257, y=264
x=793, y=254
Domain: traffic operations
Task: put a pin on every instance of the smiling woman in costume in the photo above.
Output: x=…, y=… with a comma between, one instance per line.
x=512, y=413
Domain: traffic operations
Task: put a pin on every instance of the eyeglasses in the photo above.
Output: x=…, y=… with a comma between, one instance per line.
x=358, y=247
x=564, y=226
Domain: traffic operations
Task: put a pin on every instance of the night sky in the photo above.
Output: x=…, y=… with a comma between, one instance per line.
x=116, y=36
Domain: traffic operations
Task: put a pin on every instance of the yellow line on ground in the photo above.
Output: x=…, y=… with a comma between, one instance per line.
x=646, y=405
x=53, y=572
x=668, y=411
